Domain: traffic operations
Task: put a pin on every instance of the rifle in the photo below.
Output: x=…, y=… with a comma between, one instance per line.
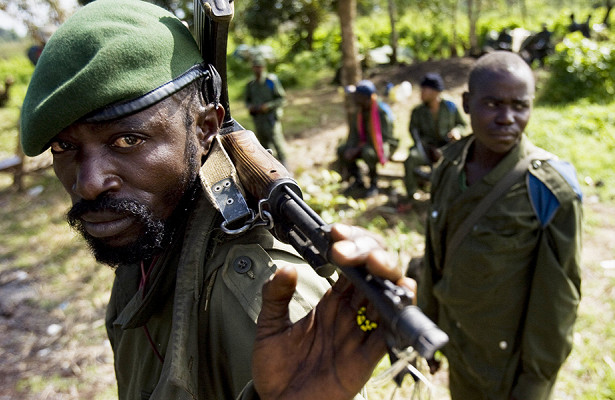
x=419, y=144
x=279, y=203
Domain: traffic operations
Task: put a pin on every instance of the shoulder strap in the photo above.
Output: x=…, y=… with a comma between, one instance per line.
x=499, y=189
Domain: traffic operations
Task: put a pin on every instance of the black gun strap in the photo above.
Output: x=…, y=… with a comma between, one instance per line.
x=481, y=208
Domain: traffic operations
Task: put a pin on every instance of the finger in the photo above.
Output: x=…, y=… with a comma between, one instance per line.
x=353, y=249
x=349, y=232
x=348, y=253
x=409, y=285
x=377, y=261
x=383, y=264
x=277, y=294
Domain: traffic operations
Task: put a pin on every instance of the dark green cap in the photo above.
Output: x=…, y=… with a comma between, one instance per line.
x=108, y=52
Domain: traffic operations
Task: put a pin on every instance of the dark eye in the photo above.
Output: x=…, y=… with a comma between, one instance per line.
x=490, y=104
x=60, y=146
x=521, y=106
x=127, y=141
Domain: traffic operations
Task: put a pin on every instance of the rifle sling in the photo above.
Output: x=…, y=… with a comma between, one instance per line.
x=221, y=183
x=481, y=208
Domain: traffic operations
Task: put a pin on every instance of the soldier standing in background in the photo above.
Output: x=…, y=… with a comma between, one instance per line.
x=265, y=98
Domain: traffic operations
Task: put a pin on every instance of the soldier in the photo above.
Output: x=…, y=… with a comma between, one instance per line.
x=265, y=98
x=502, y=277
x=131, y=113
x=370, y=136
x=433, y=123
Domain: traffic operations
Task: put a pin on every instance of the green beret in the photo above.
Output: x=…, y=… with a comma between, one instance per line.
x=110, y=51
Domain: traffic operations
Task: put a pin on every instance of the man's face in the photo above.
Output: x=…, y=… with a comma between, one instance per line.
x=258, y=70
x=428, y=94
x=500, y=106
x=126, y=178
x=363, y=100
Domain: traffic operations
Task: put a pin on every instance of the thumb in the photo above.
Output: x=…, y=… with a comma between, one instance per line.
x=277, y=294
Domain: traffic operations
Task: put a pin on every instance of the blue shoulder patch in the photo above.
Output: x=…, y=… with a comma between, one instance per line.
x=568, y=172
x=270, y=84
x=450, y=105
x=543, y=200
x=387, y=109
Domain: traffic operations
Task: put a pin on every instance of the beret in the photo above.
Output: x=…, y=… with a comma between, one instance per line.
x=433, y=81
x=366, y=87
x=109, y=51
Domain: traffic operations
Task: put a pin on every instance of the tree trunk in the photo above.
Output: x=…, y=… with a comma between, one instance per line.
x=393, y=18
x=454, y=29
x=473, y=12
x=523, y=7
x=351, y=71
x=609, y=7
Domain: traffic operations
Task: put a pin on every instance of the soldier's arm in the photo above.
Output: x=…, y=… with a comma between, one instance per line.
x=554, y=298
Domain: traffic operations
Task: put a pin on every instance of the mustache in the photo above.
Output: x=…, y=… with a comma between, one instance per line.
x=128, y=207
x=154, y=234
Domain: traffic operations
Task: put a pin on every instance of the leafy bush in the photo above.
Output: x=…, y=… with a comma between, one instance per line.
x=583, y=134
x=581, y=68
x=303, y=70
x=18, y=67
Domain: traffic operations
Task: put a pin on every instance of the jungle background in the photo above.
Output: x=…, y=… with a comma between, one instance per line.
x=53, y=294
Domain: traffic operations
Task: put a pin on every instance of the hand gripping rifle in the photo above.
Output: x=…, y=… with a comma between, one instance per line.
x=279, y=202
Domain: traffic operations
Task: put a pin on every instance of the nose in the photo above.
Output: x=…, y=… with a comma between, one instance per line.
x=95, y=176
x=506, y=115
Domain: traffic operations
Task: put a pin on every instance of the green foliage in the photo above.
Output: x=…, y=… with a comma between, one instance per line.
x=583, y=134
x=327, y=44
x=18, y=67
x=426, y=39
x=322, y=192
x=263, y=18
x=423, y=38
x=581, y=68
x=311, y=70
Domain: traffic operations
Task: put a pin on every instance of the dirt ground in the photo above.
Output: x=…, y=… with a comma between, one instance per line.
x=32, y=345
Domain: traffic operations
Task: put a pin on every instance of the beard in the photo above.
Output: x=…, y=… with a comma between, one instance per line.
x=156, y=234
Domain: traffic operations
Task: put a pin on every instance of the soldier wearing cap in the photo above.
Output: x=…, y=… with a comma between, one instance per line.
x=131, y=114
x=435, y=122
x=370, y=136
x=265, y=99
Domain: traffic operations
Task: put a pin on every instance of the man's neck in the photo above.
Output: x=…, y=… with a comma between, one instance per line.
x=480, y=162
x=434, y=104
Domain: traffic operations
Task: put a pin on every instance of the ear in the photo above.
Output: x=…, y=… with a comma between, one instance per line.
x=466, y=102
x=210, y=120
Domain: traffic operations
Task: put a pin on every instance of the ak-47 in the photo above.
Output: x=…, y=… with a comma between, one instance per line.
x=278, y=202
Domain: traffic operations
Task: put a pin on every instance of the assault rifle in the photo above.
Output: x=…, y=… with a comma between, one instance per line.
x=279, y=203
